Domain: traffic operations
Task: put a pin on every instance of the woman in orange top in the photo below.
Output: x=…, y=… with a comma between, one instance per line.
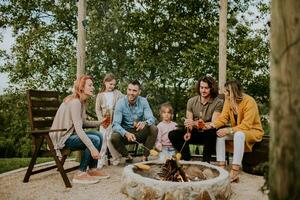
x=241, y=112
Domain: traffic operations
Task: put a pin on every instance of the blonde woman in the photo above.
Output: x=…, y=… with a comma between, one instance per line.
x=241, y=111
x=72, y=116
x=105, y=105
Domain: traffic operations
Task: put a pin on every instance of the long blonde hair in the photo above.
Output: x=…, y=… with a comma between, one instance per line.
x=108, y=77
x=78, y=89
x=235, y=92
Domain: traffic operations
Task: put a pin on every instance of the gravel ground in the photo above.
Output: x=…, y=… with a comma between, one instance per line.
x=49, y=185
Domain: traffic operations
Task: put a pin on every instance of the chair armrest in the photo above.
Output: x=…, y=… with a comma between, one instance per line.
x=92, y=116
x=86, y=126
x=47, y=131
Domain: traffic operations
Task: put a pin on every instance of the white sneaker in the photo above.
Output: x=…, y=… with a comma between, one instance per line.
x=116, y=161
x=102, y=162
x=84, y=178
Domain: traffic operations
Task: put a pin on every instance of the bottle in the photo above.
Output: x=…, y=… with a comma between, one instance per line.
x=201, y=123
x=107, y=115
x=135, y=121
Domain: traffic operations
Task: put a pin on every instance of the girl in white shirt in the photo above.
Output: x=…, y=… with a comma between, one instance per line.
x=105, y=104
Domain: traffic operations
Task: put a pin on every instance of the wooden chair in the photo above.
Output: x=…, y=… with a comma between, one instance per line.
x=42, y=107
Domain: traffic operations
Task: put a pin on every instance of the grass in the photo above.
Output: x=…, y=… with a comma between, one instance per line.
x=8, y=164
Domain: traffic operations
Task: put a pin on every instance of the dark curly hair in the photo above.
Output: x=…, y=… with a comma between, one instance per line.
x=214, y=91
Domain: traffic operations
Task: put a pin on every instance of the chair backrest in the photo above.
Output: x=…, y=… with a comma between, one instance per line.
x=42, y=107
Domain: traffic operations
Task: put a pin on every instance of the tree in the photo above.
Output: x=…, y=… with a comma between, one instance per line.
x=44, y=53
x=167, y=45
x=14, y=126
x=284, y=171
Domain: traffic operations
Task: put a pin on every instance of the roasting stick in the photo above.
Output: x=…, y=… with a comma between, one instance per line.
x=142, y=145
x=187, y=131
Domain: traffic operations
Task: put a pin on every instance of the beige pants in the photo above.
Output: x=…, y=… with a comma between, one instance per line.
x=106, y=133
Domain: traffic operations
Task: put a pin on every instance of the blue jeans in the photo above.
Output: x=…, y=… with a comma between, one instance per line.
x=166, y=153
x=75, y=143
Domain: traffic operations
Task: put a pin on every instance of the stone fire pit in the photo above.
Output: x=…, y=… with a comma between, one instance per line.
x=139, y=186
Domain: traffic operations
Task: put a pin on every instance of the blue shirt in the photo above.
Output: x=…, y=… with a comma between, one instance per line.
x=125, y=114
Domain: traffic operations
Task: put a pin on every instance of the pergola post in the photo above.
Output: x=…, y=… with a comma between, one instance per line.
x=81, y=38
x=222, y=44
x=81, y=45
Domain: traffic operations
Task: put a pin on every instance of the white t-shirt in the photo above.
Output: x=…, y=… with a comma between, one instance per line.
x=109, y=97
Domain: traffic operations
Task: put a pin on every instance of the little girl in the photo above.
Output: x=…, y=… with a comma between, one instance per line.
x=105, y=104
x=163, y=143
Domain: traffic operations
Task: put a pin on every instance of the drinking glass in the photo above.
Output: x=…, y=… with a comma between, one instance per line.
x=201, y=123
x=135, y=121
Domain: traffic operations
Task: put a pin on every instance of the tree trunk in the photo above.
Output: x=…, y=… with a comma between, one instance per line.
x=284, y=173
x=81, y=45
x=81, y=38
x=222, y=44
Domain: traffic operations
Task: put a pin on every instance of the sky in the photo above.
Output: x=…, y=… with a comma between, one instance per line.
x=8, y=40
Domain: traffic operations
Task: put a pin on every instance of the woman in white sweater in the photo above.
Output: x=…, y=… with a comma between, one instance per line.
x=105, y=105
x=71, y=115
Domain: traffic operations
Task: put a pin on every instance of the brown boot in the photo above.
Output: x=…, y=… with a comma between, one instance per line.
x=235, y=174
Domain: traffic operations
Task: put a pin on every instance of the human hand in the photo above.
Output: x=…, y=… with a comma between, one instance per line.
x=105, y=122
x=200, y=124
x=187, y=136
x=95, y=154
x=189, y=123
x=222, y=132
x=140, y=126
x=208, y=125
x=158, y=146
x=130, y=137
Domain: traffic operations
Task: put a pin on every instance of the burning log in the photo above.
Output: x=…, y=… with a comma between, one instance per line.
x=172, y=171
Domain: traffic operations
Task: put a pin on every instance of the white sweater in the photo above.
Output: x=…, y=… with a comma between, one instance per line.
x=71, y=116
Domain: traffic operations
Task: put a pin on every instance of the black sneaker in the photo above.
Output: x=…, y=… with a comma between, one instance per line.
x=144, y=159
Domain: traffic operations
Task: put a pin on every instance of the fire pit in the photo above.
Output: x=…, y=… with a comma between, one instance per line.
x=193, y=180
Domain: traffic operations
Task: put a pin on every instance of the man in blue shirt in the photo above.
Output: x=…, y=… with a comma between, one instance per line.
x=133, y=121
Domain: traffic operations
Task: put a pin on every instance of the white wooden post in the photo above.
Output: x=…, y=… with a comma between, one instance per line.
x=81, y=38
x=222, y=44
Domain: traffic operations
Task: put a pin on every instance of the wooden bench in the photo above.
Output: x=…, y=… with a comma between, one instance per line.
x=253, y=161
x=42, y=107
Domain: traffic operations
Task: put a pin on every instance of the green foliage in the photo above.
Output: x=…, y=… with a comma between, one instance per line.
x=169, y=45
x=166, y=45
x=44, y=53
x=8, y=164
x=265, y=169
x=14, y=124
